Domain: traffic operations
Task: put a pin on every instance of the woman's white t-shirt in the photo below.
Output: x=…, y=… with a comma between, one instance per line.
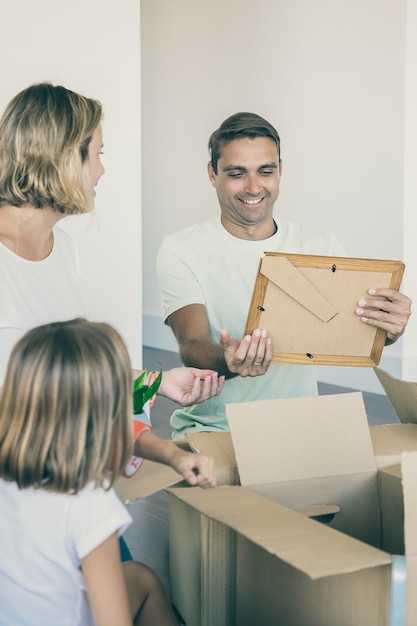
x=37, y=292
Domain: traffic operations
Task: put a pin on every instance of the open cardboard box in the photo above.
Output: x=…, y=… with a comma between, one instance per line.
x=391, y=440
x=248, y=554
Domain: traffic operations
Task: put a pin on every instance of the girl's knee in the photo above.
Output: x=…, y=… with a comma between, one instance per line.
x=140, y=576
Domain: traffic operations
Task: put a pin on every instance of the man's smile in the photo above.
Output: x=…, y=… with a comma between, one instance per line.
x=252, y=200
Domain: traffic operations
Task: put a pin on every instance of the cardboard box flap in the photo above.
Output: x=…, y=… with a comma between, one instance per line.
x=150, y=478
x=409, y=473
x=288, y=278
x=393, y=439
x=217, y=445
x=315, y=549
x=402, y=395
x=320, y=510
x=298, y=438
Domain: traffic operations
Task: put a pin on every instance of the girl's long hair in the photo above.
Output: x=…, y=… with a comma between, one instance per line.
x=66, y=407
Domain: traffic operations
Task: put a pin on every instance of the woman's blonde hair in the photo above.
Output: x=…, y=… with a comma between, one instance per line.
x=45, y=132
x=66, y=407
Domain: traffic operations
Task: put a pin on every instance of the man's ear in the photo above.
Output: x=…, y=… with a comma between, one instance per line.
x=211, y=174
x=280, y=168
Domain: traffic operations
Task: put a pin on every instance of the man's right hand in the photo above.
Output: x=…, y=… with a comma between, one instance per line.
x=249, y=357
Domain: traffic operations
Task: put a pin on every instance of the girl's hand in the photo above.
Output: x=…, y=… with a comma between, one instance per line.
x=196, y=469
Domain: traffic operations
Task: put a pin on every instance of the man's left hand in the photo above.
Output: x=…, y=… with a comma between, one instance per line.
x=387, y=309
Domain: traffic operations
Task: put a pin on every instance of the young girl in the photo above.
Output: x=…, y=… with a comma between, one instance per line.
x=65, y=436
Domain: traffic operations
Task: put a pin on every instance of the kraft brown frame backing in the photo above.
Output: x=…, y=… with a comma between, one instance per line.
x=308, y=302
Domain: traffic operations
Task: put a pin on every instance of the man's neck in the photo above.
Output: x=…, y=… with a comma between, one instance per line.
x=255, y=232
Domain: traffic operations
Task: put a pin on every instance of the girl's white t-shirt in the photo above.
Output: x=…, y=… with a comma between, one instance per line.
x=43, y=537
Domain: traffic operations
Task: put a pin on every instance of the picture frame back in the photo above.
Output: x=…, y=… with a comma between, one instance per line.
x=307, y=303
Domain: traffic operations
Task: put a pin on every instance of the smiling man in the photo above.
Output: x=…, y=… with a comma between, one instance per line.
x=207, y=273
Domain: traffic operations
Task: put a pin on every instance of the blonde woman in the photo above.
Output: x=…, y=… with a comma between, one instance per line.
x=50, y=146
x=65, y=435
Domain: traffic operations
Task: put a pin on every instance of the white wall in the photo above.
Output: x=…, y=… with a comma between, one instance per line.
x=92, y=46
x=409, y=369
x=338, y=80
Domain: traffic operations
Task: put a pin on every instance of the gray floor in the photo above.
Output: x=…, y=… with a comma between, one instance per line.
x=147, y=537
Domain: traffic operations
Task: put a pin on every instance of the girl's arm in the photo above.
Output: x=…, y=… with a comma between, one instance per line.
x=105, y=584
x=197, y=469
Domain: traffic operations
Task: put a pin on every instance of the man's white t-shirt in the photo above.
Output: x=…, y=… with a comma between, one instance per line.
x=205, y=264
